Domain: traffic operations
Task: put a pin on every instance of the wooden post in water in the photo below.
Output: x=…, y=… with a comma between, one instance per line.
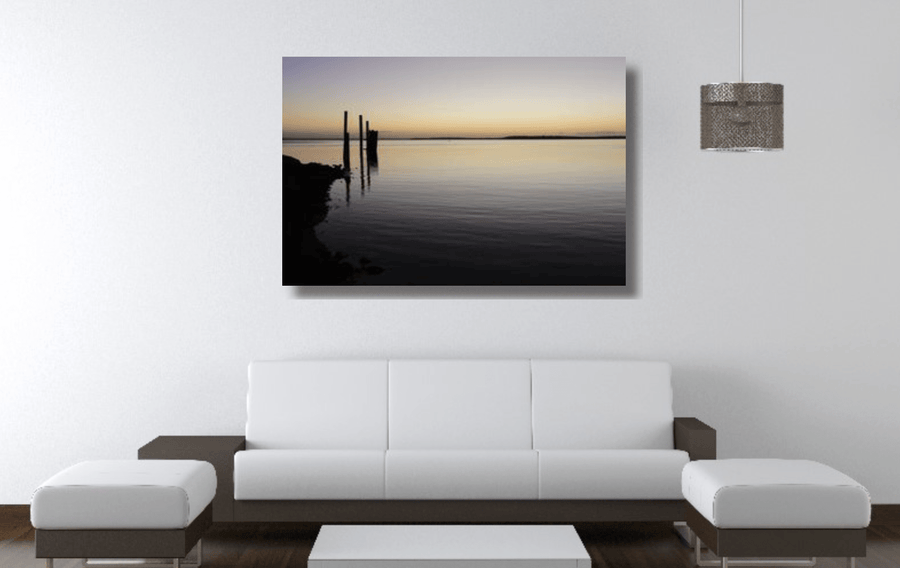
x=361, y=176
x=346, y=144
x=372, y=145
x=369, y=153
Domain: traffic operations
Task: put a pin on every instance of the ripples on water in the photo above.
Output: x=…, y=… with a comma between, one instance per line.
x=511, y=212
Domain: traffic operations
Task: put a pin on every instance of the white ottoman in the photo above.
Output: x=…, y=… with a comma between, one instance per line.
x=774, y=508
x=124, y=509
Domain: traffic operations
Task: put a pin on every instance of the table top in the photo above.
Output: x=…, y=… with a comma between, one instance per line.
x=448, y=542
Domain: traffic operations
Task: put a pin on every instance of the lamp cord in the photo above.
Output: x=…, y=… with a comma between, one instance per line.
x=741, y=51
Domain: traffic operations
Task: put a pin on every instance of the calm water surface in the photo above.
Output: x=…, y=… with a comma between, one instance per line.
x=479, y=212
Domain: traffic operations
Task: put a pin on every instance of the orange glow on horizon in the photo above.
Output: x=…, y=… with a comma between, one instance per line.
x=454, y=97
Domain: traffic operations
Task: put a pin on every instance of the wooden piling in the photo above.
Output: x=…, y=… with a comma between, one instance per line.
x=361, y=177
x=372, y=145
x=346, y=144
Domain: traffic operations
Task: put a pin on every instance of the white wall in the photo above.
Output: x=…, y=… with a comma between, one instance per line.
x=140, y=221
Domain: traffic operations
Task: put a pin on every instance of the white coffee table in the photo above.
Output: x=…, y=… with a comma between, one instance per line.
x=448, y=546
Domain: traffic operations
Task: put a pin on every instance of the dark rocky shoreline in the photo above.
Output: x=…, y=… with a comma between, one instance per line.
x=306, y=260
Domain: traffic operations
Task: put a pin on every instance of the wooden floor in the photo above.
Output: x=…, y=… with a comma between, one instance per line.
x=626, y=545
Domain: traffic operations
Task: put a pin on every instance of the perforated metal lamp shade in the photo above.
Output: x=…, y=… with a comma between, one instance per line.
x=742, y=117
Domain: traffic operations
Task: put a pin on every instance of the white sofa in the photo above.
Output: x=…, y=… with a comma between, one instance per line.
x=463, y=440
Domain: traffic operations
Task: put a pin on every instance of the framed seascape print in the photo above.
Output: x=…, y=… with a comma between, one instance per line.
x=453, y=171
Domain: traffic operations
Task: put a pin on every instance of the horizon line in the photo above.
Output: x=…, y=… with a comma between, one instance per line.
x=514, y=137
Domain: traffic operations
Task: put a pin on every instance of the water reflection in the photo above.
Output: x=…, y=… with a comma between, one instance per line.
x=362, y=177
x=481, y=212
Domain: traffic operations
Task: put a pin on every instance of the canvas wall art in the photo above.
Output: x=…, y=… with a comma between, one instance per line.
x=453, y=171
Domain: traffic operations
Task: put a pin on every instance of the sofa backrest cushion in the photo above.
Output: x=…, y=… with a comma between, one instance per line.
x=459, y=404
x=602, y=405
x=317, y=405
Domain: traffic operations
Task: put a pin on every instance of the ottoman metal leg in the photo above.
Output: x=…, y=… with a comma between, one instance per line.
x=724, y=562
x=187, y=562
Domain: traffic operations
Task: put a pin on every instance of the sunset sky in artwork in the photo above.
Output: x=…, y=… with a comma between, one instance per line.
x=428, y=97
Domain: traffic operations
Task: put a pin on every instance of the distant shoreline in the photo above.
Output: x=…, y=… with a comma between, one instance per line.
x=611, y=137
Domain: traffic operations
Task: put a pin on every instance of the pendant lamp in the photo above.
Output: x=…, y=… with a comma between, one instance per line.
x=742, y=117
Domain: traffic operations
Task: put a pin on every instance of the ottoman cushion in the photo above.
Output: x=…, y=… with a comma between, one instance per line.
x=775, y=494
x=124, y=494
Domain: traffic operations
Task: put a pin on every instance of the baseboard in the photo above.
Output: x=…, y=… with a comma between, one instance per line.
x=885, y=515
x=14, y=519
x=14, y=511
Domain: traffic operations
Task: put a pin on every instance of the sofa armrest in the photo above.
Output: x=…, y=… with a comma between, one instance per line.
x=696, y=438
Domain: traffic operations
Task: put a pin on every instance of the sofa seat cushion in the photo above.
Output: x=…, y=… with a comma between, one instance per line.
x=308, y=474
x=775, y=494
x=461, y=474
x=611, y=474
x=124, y=494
